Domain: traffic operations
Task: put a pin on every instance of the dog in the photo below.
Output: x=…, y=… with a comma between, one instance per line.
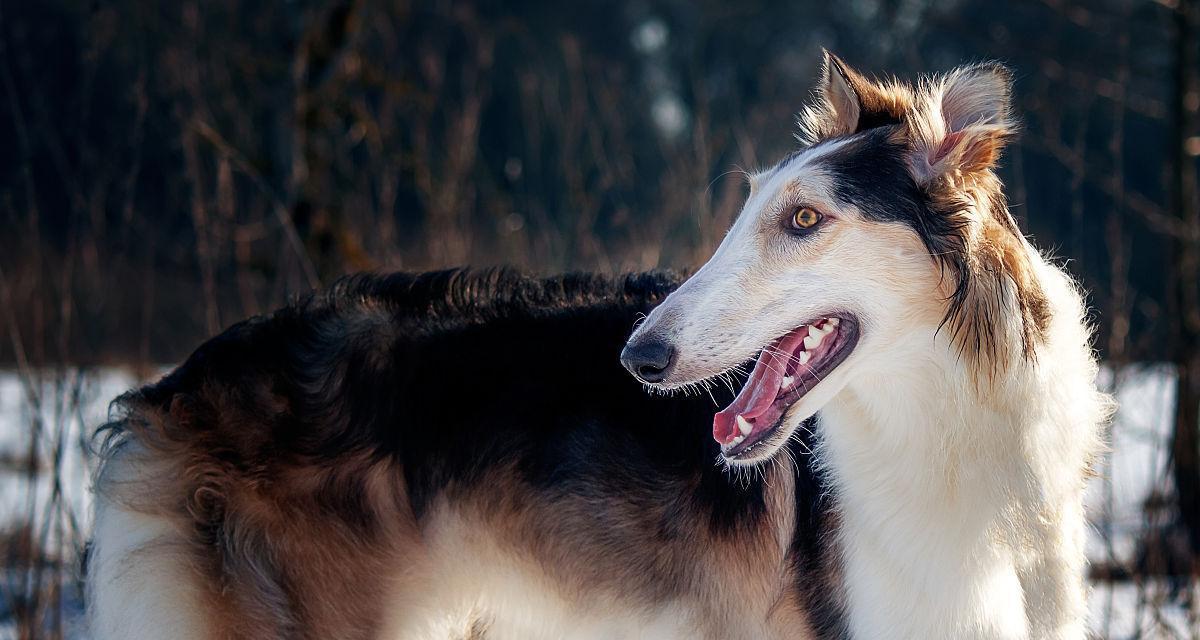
x=446, y=455
x=461, y=455
x=881, y=280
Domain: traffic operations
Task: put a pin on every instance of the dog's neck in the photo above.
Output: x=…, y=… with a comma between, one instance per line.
x=929, y=472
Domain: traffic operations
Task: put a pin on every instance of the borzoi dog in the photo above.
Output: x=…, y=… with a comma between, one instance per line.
x=445, y=456
x=879, y=275
x=460, y=455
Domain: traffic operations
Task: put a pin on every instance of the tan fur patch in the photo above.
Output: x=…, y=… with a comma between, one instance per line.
x=992, y=291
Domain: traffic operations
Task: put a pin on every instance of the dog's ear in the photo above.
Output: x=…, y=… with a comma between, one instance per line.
x=962, y=122
x=840, y=88
x=848, y=102
x=959, y=124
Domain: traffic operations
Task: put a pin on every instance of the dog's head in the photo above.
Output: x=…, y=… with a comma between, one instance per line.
x=881, y=244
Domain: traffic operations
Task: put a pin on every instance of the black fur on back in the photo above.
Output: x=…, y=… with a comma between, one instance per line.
x=454, y=373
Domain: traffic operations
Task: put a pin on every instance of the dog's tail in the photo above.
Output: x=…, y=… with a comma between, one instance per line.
x=141, y=576
x=168, y=462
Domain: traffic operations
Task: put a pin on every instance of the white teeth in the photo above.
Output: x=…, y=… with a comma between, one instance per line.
x=736, y=441
x=744, y=426
x=787, y=381
x=812, y=340
x=803, y=357
x=833, y=322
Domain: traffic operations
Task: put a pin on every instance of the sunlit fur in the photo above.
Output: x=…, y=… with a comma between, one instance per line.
x=958, y=433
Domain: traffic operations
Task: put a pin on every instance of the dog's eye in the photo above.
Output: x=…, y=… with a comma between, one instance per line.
x=805, y=218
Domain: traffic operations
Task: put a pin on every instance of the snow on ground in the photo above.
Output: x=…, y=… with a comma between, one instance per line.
x=65, y=409
x=1137, y=462
x=1127, y=610
x=67, y=406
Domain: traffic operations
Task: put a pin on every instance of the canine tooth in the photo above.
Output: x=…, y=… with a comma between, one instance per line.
x=744, y=426
x=812, y=341
x=803, y=357
x=788, y=380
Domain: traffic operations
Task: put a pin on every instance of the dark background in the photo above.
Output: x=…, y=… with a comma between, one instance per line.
x=173, y=167
x=167, y=168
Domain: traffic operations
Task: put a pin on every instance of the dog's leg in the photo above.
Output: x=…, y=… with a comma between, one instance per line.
x=1052, y=580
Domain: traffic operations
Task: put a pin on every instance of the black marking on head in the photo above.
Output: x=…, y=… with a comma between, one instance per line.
x=870, y=171
x=869, y=120
x=791, y=157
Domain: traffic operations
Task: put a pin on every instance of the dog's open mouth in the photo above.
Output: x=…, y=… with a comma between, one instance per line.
x=786, y=370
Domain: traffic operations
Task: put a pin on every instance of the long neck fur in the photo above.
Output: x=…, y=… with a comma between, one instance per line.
x=959, y=502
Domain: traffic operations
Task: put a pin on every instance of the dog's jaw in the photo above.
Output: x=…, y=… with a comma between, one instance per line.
x=788, y=369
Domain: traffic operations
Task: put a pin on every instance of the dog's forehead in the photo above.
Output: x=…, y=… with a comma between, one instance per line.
x=803, y=173
x=867, y=172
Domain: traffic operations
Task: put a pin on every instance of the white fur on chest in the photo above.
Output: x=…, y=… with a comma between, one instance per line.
x=961, y=512
x=924, y=540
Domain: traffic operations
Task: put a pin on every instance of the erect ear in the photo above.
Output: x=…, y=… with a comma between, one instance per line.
x=847, y=102
x=838, y=91
x=961, y=122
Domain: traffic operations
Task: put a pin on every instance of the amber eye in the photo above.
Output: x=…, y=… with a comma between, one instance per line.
x=805, y=218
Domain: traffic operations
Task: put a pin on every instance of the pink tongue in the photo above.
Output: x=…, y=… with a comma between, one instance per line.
x=761, y=389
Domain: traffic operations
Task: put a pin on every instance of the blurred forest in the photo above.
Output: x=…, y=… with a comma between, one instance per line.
x=169, y=168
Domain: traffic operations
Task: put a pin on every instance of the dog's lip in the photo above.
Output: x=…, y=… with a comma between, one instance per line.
x=757, y=439
x=846, y=339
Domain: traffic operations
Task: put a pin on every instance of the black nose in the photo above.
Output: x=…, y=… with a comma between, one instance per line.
x=648, y=359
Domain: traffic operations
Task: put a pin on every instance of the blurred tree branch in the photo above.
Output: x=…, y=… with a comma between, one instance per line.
x=1185, y=123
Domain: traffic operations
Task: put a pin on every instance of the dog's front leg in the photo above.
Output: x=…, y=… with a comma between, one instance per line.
x=1052, y=578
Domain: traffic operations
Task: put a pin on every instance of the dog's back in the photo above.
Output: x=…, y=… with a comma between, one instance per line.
x=437, y=455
